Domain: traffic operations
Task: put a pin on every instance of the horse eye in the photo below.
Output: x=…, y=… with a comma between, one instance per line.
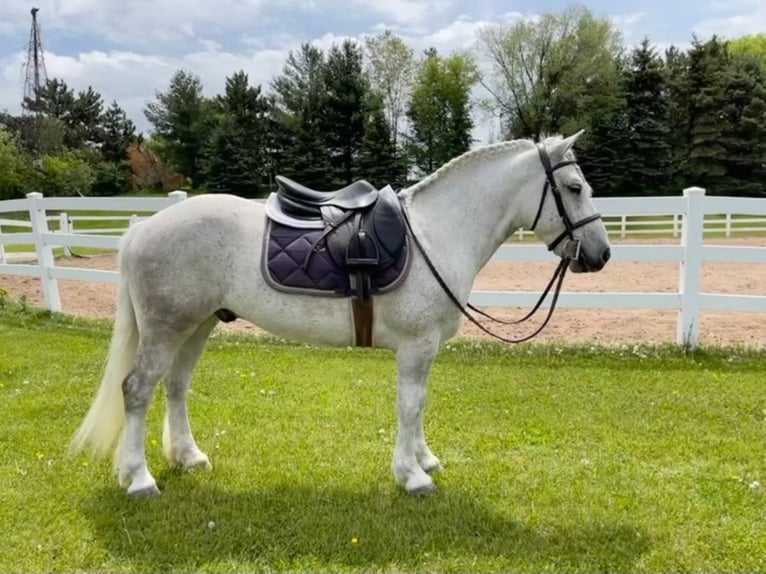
x=575, y=187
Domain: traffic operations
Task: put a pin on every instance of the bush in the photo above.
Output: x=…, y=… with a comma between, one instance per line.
x=110, y=179
x=66, y=174
x=15, y=168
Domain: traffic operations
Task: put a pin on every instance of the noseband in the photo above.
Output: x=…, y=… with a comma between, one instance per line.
x=571, y=251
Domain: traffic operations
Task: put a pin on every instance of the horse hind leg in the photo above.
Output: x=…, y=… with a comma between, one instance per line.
x=178, y=442
x=156, y=351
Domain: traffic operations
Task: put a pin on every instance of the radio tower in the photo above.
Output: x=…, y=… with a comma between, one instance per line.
x=35, y=75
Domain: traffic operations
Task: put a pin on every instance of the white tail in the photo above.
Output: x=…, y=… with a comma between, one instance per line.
x=103, y=422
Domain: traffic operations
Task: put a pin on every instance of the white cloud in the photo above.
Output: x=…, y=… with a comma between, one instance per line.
x=407, y=12
x=734, y=18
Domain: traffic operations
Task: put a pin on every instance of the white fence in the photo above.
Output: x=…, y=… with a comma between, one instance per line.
x=689, y=210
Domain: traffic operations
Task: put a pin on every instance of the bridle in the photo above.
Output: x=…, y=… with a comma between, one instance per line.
x=571, y=251
x=550, y=182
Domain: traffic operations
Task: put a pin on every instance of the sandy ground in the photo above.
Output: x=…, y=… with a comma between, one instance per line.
x=567, y=325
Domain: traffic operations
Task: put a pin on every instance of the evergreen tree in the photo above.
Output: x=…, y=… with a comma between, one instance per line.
x=182, y=118
x=343, y=120
x=379, y=160
x=118, y=132
x=705, y=165
x=744, y=133
x=648, y=154
x=236, y=153
x=300, y=98
x=678, y=92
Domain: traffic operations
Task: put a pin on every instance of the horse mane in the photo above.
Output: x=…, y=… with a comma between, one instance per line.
x=486, y=151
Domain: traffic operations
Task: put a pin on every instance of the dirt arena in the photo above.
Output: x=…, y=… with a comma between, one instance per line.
x=567, y=325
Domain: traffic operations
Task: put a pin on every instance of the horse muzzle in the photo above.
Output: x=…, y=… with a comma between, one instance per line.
x=584, y=261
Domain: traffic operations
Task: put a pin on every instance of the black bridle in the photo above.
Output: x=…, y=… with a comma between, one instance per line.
x=571, y=251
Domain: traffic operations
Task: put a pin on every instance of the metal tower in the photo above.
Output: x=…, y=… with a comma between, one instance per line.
x=35, y=74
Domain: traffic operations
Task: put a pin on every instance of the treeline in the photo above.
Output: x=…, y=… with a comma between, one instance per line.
x=655, y=121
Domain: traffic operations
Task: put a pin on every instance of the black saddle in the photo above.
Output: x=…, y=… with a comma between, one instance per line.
x=303, y=201
x=363, y=231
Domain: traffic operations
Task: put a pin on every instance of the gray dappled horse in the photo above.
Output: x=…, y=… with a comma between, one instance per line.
x=411, y=256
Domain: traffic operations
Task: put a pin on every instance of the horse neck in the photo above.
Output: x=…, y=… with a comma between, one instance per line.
x=464, y=216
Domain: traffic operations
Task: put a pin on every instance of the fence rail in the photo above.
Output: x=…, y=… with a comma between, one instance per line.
x=690, y=212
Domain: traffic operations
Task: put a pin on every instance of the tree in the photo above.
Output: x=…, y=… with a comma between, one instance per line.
x=299, y=102
x=343, y=120
x=550, y=74
x=705, y=164
x=236, y=153
x=391, y=69
x=647, y=154
x=15, y=168
x=440, y=110
x=147, y=169
x=744, y=133
x=118, y=132
x=379, y=161
x=65, y=174
x=752, y=45
x=62, y=119
x=182, y=118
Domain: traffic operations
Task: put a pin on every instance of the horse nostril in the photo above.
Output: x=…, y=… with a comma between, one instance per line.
x=606, y=255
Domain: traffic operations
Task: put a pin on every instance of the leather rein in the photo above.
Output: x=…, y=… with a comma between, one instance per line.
x=571, y=251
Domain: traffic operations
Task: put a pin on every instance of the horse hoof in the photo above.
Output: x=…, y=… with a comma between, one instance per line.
x=148, y=491
x=199, y=464
x=432, y=466
x=423, y=490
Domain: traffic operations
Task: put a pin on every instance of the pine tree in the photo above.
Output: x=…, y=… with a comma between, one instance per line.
x=118, y=132
x=744, y=133
x=705, y=164
x=379, y=161
x=300, y=98
x=648, y=153
x=236, y=153
x=343, y=120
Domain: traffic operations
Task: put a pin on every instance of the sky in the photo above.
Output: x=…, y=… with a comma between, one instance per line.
x=128, y=49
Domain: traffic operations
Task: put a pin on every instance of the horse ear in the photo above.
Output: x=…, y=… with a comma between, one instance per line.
x=566, y=144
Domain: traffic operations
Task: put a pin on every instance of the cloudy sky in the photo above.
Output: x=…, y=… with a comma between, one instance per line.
x=127, y=49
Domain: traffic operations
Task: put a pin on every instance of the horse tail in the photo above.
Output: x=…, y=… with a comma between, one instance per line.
x=104, y=420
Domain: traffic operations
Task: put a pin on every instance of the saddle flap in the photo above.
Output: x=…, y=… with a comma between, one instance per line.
x=387, y=223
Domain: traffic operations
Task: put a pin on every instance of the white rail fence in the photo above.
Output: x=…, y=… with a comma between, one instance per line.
x=689, y=211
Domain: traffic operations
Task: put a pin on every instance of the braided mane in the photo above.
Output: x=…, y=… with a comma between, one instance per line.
x=489, y=150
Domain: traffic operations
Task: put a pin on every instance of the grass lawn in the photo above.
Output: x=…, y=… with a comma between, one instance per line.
x=556, y=459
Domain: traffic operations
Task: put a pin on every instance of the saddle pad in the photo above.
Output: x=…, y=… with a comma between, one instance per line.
x=285, y=252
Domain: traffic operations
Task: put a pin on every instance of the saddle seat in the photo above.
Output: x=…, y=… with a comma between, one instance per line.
x=303, y=201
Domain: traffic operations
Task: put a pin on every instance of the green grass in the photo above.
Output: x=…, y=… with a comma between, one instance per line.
x=556, y=459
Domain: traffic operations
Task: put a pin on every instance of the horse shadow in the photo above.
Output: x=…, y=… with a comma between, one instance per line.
x=195, y=526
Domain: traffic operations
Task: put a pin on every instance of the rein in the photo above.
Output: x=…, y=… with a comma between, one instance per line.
x=571, y=252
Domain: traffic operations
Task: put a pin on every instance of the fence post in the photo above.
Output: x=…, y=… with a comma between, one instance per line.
x=728, y=225
x=45, y=259
x=177, y=195
x=65, y=227
x=623, y=222
x=690, y=269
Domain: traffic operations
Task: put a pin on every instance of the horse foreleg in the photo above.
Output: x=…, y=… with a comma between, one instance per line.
x=411, y=453
x=178, y=442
